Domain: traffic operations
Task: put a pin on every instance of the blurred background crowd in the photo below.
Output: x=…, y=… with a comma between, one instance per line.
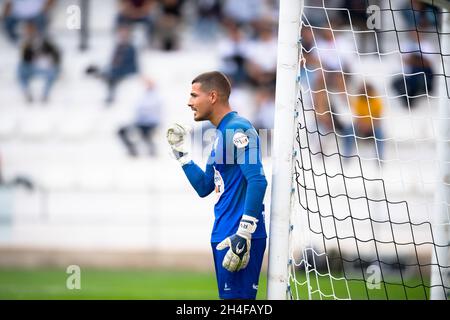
x=83, y=110
x=242, y=35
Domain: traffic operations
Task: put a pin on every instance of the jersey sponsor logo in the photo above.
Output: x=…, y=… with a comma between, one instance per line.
x=226, y=288
x=240, y=140
x=255, y=287
x=219, y=184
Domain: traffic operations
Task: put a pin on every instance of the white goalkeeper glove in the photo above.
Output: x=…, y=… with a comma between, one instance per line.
x=176, y=136
x=238, y=255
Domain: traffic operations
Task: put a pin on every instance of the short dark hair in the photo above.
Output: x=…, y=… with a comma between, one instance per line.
x=214, y=80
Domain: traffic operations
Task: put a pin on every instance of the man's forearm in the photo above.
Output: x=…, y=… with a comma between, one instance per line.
x=256, y=189
x=201, y=182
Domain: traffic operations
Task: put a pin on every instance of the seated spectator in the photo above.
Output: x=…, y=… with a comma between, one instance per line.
x=168, y=24
x=419, y=16
x=264, y=119
x=320, y=102
x=123, y=63
x=39, y=58
x=135, y=12
x=261, y=56
x=244, y=13
x=232, y=51
x=147, y=119
x=367, y=111
x=30, y=11
x=356, y=16
x=417, y=81
x=332, y=108
x=209, y=13
x=310, y=62
x=327, y=51
x=265, y=108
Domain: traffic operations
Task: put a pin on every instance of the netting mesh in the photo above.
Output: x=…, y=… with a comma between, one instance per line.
x=371, y=215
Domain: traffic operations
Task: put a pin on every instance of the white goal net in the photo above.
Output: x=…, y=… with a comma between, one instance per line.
x=369, y=213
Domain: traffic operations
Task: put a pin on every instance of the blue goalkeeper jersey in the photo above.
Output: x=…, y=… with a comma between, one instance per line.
x=234, y=171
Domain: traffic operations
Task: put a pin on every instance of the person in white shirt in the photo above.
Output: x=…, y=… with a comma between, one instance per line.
x=146, y=120
x=242, y=12
x=261, y=56
x=232, y=51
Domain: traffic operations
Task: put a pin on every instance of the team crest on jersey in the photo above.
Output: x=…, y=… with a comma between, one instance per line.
x=240, y=140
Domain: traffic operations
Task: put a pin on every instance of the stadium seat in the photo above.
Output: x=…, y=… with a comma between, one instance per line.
x=36, y=125
x=8, y=126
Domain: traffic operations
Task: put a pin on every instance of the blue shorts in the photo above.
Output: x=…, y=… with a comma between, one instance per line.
x=244, y=283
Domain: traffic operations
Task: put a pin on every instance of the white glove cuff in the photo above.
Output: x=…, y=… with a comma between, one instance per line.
x=185, y=159
x=247, y=226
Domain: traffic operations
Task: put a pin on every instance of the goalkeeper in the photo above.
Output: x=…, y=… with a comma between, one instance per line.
x=234, y=171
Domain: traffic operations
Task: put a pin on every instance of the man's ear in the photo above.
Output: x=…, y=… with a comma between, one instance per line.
x=213, y=96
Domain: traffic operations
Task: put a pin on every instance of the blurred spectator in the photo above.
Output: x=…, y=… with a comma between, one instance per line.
x=244, y=13
x=264, y=120
x=123, y=63
x=209, y=13
x=322, y=17
x=418, y=78
x=137, y=12
x=327, y=51
x=270, y=9
x=332, y=108
x=308, y=40
x=310, y=63
x=232, y=51
x=262, y=56
x=356, y=18
x=417, y=81
x=419, y=16
x=367, y=109
x=30, y=11
x=265, y=108
x=39, y=58
x=320, y=101
x=168, y=24
x=340, y=109
x=147, y=119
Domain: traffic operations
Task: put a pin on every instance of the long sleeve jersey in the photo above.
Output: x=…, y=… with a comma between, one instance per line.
x=235, y=172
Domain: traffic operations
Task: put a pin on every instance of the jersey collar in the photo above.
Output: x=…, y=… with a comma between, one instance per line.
x=226, y=119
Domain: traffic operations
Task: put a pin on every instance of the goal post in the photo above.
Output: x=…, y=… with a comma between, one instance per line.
x=442, y=194
x=360, y=203
x=284, y=126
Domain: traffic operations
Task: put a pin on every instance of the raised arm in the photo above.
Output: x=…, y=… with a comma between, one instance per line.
x=203, y=182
